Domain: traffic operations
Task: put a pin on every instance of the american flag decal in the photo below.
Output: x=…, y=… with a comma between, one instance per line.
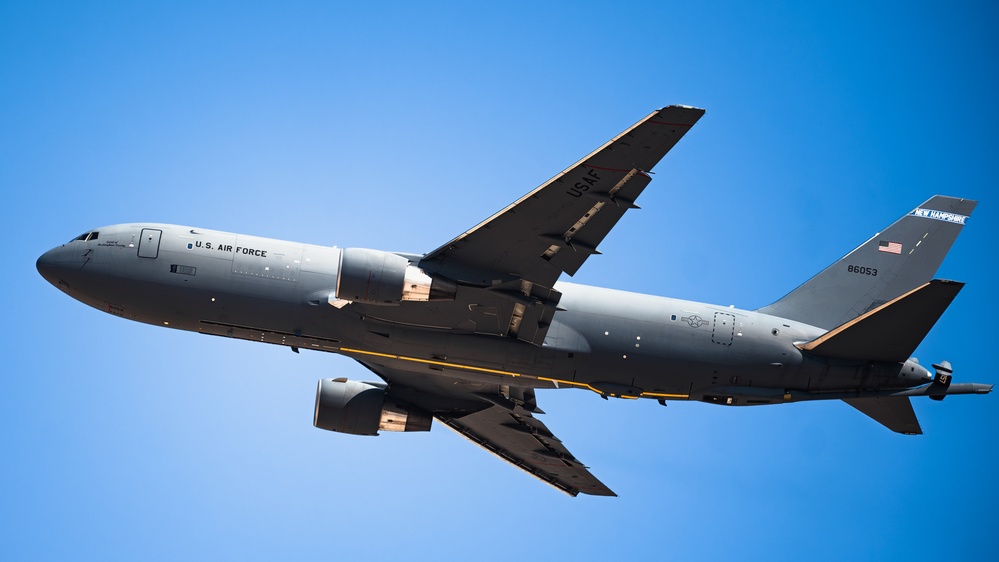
x=890, y=247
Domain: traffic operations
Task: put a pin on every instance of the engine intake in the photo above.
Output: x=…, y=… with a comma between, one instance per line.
x=362, y=408
x=377, y=277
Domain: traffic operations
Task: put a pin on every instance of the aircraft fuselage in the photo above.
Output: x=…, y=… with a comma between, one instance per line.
x=613, y=342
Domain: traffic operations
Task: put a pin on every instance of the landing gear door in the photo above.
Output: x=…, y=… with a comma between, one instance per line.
x=149, y=243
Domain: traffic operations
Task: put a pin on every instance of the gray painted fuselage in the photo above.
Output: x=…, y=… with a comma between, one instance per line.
x=613, y=342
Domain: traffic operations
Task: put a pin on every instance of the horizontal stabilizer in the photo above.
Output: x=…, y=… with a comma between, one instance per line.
x=890, y=332
x=894, y=412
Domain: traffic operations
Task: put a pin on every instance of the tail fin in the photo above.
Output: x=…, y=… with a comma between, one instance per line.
x=895, y=261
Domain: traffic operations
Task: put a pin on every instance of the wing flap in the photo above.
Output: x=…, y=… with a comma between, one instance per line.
x=580, y=240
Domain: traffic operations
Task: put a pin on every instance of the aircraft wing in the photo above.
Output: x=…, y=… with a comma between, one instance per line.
x=506, y=267
x=522, y=440
x=499, y=419
x=554, y=228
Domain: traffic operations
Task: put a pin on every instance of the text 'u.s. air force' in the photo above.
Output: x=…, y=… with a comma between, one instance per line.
x=229, y=248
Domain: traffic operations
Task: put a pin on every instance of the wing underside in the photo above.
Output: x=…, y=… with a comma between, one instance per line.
x=554, y=228
x=521, y=439
x=498, y=418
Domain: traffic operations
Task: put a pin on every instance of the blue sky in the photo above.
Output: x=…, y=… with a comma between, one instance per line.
x=396, y=126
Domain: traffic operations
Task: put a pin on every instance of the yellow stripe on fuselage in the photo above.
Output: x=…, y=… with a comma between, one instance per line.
x=438, y=363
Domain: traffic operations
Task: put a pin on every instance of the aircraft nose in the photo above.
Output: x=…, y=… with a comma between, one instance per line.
x=57, y=262
x=46, y=266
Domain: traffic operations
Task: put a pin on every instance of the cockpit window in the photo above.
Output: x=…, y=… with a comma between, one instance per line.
x=86, y=236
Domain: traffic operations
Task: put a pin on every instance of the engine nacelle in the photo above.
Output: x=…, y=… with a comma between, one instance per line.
x=362, y=408
x=377, y=277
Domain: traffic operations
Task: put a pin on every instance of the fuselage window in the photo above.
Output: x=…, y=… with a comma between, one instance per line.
x=92, y=236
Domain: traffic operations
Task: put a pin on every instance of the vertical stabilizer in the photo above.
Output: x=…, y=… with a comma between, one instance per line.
x=895, y=261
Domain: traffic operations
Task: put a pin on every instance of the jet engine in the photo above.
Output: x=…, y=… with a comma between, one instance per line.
x=376, y=277
x=362, y=408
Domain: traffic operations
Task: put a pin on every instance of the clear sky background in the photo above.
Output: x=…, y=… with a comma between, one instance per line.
x=396, y=126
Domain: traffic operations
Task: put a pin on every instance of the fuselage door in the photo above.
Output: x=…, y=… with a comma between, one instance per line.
x=724, y=328
x=149, y=243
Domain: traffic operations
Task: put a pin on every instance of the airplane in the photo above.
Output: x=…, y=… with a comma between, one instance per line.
x=466, y=333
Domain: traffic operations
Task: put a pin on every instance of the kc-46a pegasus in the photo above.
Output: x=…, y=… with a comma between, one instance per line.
x=466, y=333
